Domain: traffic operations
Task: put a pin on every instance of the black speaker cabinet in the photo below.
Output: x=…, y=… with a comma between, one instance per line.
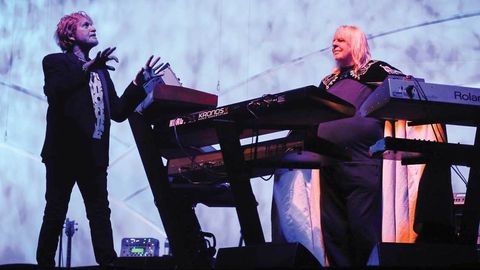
x=423, y=255
x=269, y=255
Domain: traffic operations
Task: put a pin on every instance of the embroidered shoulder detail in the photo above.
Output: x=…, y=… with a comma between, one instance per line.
x=329, y=80
x=353, y=75
x=390, y=70
x=363, y=70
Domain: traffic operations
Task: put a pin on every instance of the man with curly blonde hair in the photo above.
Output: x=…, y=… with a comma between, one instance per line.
x=81, y=102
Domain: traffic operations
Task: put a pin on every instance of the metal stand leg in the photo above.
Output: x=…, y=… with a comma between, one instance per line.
x=471, y=208
x=239, y=179
x=178, y=216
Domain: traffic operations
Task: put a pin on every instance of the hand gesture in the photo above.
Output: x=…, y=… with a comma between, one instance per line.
x=149, y=71
x=101, y=59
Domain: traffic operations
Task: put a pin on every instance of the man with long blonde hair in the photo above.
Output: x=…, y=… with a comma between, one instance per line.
x=351, y=191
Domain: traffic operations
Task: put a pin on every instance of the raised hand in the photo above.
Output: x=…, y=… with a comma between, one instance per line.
x=149, y=71
x=101, y=59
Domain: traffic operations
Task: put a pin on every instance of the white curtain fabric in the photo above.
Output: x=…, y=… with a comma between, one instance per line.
x=296, y=196
x=400, y=184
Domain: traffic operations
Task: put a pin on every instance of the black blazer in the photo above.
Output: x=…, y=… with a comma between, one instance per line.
x=70, y=115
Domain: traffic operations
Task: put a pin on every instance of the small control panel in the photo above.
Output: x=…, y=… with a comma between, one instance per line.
x=139, y=247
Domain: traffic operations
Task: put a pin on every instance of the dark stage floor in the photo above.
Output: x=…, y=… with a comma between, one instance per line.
x=295, y=256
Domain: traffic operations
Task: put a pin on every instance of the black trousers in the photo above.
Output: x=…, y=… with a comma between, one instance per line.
x=434, y=215
x=351, y=211
x=61, y=177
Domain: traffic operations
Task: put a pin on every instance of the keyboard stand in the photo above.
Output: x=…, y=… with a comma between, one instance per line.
x=178, y=217
x=239, y=179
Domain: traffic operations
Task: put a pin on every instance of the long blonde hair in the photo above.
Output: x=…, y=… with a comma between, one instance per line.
x=358, y=42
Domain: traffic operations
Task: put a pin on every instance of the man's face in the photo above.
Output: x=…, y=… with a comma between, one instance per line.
x=86, y=36
x=342, y=52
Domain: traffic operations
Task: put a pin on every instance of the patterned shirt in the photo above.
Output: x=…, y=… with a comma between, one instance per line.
x=96, y=91
x=371, y=74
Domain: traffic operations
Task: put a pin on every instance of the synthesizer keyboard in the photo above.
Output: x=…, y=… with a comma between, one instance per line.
x=167, y=101
x=418, y=151
x=298, y=107
x=262, y=159
x=295, y=109
x=415, y=100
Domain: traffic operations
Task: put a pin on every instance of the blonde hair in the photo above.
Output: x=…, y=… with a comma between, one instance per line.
x=66, y=28
x=357, y=40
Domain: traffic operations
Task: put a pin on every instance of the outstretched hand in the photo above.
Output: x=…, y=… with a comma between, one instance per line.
x=101, y=59
x=149, y=71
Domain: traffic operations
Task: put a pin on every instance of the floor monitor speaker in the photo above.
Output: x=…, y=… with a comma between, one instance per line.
x=422, y=255
x=269, y=255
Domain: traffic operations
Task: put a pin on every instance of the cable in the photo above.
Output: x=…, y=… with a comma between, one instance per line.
x=211, y=248
x=279, y=157
x=60, y=245
x=251, y=103
x=211, y=235
x=194, y=163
